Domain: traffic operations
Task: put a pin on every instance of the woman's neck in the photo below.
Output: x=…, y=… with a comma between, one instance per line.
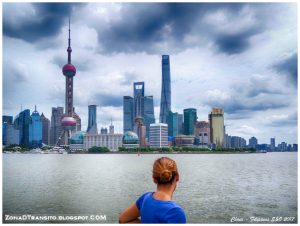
x=164, y=192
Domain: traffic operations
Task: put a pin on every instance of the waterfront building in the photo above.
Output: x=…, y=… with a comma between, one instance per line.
x=238, y=142
x=172, y=121
x=148, y=113
x=130, y=140
x=35, y=130
x=184, y=140
x=140, y=106
x=7, y=119
x=165, y=100
x=190, y=118
x=111, y=141
x=10, y=135
x=128, y=115
x=21, y=123
x=69, y=123
x=56, y=127
x=202, y=133
x=158, y=135
x=217, y=129
x=140, y=129
x=111, y=128
x=45, y=129
x=272, y=144
x=282, y=147
x=78, y=122
x=76, y=141
x=180, y=124
x=295, y=147
x=138, y=95
x=252, y=142
x=103, y=130
x=92, y=120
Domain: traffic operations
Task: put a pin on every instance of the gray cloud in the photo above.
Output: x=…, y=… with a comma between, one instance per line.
x=105, y=100
x=44, y=21
x=289, y=67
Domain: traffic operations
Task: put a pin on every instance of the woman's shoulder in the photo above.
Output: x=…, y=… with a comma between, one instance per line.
x=140, y=200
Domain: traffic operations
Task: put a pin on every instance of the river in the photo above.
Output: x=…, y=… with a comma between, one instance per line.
x=213, y=188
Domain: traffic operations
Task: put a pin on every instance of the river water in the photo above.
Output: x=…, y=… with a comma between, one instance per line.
x=213, y=188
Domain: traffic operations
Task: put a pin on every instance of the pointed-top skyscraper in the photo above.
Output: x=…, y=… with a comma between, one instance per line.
x=165, y=101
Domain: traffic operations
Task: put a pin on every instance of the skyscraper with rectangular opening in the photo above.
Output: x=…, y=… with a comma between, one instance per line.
x=165, y=101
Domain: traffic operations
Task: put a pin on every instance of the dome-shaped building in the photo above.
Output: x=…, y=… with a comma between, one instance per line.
x=76, y=141
x=130, y=139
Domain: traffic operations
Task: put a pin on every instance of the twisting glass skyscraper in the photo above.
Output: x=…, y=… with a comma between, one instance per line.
x=165, y=101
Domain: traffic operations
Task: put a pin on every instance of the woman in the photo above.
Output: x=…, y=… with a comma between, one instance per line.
x=157, y=207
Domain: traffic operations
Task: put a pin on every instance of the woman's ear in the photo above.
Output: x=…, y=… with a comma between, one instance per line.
x=154, y=180
x=177, y=177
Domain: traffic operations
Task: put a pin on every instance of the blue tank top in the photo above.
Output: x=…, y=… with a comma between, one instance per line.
x=159, y=211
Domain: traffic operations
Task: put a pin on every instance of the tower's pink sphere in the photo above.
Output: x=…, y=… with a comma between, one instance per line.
x=68, y=123
x=69, y=70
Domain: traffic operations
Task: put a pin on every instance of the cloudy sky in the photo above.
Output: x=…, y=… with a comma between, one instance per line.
x=241, y=57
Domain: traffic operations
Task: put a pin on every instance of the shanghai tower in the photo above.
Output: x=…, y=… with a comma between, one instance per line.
x=165, y=101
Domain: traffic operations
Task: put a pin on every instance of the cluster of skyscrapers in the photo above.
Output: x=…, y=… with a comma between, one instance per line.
x=139, y=125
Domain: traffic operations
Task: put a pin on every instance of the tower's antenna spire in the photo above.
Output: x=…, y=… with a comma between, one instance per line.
x=69, y=46
x=34, y=107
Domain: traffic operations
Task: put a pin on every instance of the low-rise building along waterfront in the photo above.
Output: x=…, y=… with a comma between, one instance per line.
x=111, y=141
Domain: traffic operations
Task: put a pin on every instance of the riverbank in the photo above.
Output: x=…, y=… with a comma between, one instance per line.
x=183, y=152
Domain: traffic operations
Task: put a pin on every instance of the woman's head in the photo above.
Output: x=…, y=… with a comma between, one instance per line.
x=165, y=171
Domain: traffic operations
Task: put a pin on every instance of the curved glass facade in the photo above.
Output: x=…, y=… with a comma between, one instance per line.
x=130, y=138
x=77, y=138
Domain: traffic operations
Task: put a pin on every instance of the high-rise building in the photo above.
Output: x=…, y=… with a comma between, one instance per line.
x=45, y=129
x=172, y=121
x=159, y=135
x=165, y=100
x=128, y=115
x=21, y=123
x=7, y=119
x=69, y=123
x=139, y=93
x=139, y=106
x=92, y=121
x=238, y=142
x=78, y=122
x=35, y=129
x=10, y=135
x=190, y=118
x=111, y=128
x=217, y=131
x=180, y=124
x=272, y=144
x=202, y=133
x=252, y=142
x=148, y=113
x=56, y=126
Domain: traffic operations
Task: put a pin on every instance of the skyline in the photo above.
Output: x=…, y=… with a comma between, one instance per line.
x=206, y=76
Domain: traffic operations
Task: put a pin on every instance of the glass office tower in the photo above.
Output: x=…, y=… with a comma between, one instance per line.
x=148, y=113
x=35, y=130
x=190, y=118
x=165, y=101
x=21, y=123
x=128, y=120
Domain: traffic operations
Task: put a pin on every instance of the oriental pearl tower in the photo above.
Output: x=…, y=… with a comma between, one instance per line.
x=69, y=71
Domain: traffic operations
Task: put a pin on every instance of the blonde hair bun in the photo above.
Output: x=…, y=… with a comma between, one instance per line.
x=165, y=176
